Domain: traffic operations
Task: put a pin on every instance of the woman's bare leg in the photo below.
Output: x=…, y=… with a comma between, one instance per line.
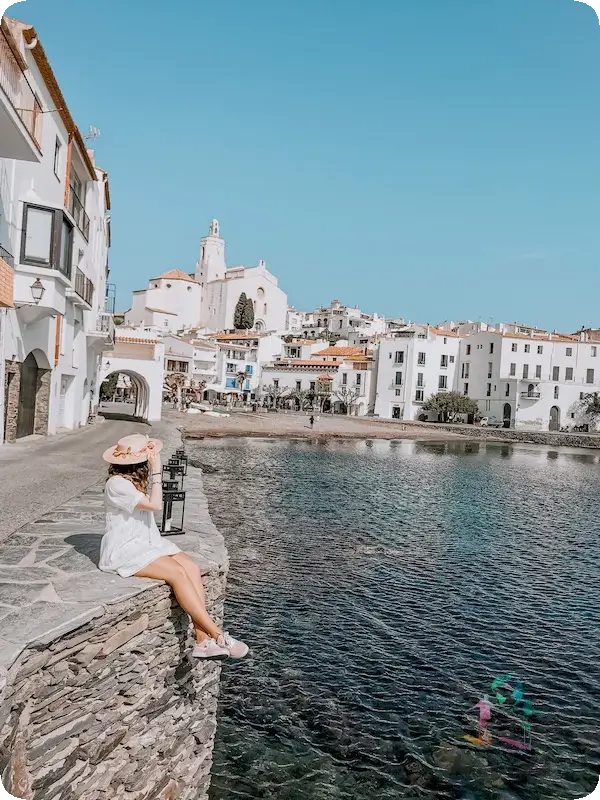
x=195, y=575
x=168, y=570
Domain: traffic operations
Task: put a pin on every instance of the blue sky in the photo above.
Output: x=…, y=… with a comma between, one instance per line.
x=425, y=158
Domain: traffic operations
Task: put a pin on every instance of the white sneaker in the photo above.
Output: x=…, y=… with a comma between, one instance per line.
x=209, y=648
x=235, y=648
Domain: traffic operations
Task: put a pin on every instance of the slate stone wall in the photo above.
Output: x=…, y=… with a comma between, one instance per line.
x=115, y=709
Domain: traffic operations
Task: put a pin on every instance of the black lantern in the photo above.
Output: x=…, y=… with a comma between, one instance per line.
x=179, y=461
x=173, y=512
x=174, y=472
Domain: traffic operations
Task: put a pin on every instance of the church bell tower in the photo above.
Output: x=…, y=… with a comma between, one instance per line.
x=211, y=266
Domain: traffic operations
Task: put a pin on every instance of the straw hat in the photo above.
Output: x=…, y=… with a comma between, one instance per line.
x=133, y=449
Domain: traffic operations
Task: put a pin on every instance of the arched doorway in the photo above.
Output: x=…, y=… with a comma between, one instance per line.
x=530, y=390
x=507, y=415
x=125, y=393
x=27, y=396
x=554, y=418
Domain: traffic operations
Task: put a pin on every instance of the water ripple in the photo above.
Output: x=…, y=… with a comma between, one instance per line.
x=382, y=587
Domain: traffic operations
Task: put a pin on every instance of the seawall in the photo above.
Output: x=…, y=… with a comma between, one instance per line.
x=99, y=697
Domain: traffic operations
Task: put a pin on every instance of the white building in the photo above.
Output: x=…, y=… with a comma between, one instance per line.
x=529, y=381
x=222, y=287
x=240, y=357
x=340, y=378
x=55, y=233
x=417, y=363
x=170, y=304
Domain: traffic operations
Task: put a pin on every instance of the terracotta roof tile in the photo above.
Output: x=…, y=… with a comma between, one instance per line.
x=342, y=351
x=174, y=275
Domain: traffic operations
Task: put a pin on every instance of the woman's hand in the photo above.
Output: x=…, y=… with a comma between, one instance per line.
x=153, y=458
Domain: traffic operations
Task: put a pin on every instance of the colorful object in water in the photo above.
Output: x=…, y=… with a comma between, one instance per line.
x=520, y=705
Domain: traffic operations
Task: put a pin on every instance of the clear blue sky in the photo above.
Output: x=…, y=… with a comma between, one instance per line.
x=426, y=158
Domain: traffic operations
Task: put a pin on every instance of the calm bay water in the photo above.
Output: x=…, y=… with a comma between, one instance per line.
x=382, y=587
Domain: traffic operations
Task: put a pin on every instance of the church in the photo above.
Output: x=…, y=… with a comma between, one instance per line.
x=222, y=286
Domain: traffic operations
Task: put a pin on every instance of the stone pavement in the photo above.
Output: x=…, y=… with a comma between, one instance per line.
x=39, y=473
x=49, y=580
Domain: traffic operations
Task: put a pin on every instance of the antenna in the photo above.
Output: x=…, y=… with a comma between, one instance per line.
x=93, y=133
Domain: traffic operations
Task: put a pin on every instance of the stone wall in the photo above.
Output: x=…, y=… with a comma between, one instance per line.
x=11, y=398
x=510, y=435
x=116, y=709
x=99, y=695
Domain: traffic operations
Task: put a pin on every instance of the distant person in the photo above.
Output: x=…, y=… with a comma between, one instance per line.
x=312, y=421
x=132, y=544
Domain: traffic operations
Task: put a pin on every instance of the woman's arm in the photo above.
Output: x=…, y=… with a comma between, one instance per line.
x=153, y=500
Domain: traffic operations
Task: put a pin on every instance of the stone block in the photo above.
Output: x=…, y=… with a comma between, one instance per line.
x=124, y=636
x=76, y=725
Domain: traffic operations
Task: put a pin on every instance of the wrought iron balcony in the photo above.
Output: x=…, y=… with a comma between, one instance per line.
x=7, y=257
x=531, y=395
x=78, y=213
x=83, y=290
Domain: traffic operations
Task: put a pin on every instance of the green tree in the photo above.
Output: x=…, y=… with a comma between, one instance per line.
x=238, y=314
x=248, y=315
x=449, y=404
x=589, y=407
x=109, y=387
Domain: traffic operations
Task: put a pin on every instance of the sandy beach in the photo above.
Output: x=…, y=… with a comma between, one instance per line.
x=293, y=425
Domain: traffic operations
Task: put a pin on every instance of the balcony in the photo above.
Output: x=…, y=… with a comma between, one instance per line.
x=78, y=213
x=530, y=395
x=396, y=386
x=82, y=292
x=20, y=111
x=103, y=331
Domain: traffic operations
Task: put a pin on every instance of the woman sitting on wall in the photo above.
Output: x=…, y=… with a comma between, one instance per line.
x=132, y=544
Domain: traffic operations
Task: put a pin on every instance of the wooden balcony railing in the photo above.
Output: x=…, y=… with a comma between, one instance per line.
x=19, y=92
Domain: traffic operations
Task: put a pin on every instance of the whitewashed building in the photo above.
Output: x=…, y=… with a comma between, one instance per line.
x=533, y=382
x=170, y=304
x=222, y=287
x=336, y=320
x=54, y=238
x=417, y=363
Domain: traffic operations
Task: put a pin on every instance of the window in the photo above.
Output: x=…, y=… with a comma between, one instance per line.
x=569, y=374
x=468, y=349
x=556, y=392
x=466, y=389
x=490, y=368
x=443, y=382
x=452, y=359
x=525, y=370
x=514, y=347
x=399, y=359
x=298, y=386
x=513, y=370
x=507, y=392
x=57, y=149
x=489, y=390
x=445, y=340
x=444, y=362
x=359, y=379
x=398, y=381
x=249, y=369
x=538, y=371
x=594, y=352
x=491, y=347
x=313, y=386
x=569, y=351
x=555, y=373
x=419, y=396
x=390, y=355
x=466, y=370
x=528, y=348
x=420, y=379
x=421, y=360
x=341, y=323
x=345, y=379
x=589, y=378
x=47, y=239
x=276, y=384
x=230, y=367
x=581, y=395
x=398, y=392
x=540, y=349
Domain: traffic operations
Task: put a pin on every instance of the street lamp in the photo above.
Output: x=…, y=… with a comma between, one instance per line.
x=37, y=290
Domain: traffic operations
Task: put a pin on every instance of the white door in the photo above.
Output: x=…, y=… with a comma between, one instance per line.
x=64, y=385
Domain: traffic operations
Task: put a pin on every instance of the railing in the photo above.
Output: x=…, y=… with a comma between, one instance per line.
x=18, y=91
x=6, y=257
x=109, y=300
x=531, y=395
x=396, y=386
x=106, y=324
x=84, y=288
x=78, y=213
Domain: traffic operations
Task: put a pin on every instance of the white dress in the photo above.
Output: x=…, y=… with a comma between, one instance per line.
x=132, y=539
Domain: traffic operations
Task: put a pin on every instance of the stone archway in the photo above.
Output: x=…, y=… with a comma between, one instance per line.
x=140, y=390
x=27, y=397
x=554, y=419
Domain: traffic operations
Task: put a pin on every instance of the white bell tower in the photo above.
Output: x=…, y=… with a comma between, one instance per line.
x=211, y=266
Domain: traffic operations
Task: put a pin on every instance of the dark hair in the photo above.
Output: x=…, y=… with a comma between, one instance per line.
x=138, y=474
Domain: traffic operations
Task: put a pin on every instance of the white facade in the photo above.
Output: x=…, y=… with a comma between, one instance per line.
x=340, y=320
x=529, y=382
x=240, y=361
x=222, y=287
x=55, y=229
x=170, y=304
x=418, y=363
